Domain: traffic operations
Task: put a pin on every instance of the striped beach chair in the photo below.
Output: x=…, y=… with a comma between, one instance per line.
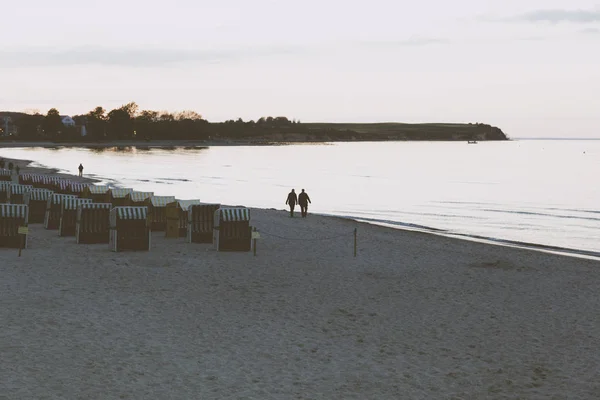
x=4, y=190
x=13, y=216
x=25, y=179
x=62, y=186
x=53, y=210
x=76, y=188
x=68, y=215
x=96, y=192
x=129, y=229
x=177, y=217
x=138, y=199
x=201, y=221
x=157, y=211
x=93, y=223
x=16, y=194
x=37, y=181
x=232, y=231
x=37, y=199
x=47, y=182
x=5, y=175
x=118, y=196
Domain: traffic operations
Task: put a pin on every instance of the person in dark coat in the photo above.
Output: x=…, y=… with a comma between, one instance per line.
x=303, y=200
x=80, y=169
x=292, y=199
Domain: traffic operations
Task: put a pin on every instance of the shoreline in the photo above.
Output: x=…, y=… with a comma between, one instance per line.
x=412, y=316
x=25, y=167
x=204, y=143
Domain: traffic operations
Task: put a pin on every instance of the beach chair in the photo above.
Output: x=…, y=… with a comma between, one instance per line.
x=13, y=216
x=93, y=223
x=157, y=211
x=4, y=191
x=118, y=196
x=16, y=194
x=201, y=221
x=137, y=199
x=177, y=217
x=98, y=193
x=53, y=210
x=68, y=215
x=76, y=188
x=5, y=175
x=37, y=200
x=232, y=230
x=129, y=229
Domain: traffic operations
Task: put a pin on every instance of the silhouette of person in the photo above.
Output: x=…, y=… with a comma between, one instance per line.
x=80, y=170
x=1, y=163
x=18, y=169
x=303, y=200
x=292, y=199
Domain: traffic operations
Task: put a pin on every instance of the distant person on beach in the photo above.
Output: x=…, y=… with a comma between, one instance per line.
x=292, y=199
x=303, y=200
x=80, y=170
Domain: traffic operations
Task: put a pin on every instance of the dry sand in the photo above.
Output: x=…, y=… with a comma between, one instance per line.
x=414, y=316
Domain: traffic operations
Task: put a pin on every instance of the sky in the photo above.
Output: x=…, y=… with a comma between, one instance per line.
x=530, y=67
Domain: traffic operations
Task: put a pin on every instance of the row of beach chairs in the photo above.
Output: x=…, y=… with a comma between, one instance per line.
x=123, y=218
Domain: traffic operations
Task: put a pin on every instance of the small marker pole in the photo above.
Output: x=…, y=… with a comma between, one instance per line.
x=354, y=242
x=254, y=243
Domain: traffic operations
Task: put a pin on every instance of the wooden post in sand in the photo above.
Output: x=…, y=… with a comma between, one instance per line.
x=254, y=238
x=354, y=242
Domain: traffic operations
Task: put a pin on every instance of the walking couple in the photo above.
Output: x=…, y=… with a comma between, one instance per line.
x=302, y=199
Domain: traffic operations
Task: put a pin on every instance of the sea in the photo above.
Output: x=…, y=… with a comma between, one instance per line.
x=543, y=194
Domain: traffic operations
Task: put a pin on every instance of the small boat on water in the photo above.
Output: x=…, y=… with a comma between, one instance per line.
x=472, y=142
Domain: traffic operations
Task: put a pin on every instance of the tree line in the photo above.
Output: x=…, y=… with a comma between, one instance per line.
x=129, y=122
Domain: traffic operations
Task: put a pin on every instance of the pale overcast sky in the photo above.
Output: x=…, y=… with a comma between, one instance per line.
x=531, y=67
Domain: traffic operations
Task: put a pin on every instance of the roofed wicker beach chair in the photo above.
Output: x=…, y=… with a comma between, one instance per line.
x=92, y=224
x=129, y=229
x=13, y=216
x=68, y=215
x=62, y=186
x=26, y=179
x=5, y=175
x=117, y=196
x=76, y=188
x=177, y=217
x=138, y=199
x=4, y=191
x=98, y=193
x=157, y=211
x=53, y=210
x=201, y=221
x=37, y=200
x=37, y=181
x=16, y=194
x=232, y=230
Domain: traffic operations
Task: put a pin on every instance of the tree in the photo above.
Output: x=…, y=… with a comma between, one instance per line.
x=131, y=109
x=120, y=123
x=96, y=123
x=30, y=126
x=188, y=114
x=52, y=124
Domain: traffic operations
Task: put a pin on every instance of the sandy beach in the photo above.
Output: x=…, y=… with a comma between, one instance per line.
x=413, y=316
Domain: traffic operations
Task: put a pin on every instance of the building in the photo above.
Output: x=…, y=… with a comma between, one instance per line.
x=67, y=121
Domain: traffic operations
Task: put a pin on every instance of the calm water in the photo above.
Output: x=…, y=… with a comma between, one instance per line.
x=541, y=192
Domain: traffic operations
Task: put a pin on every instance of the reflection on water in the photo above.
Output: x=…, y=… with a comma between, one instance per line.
x=524, y=191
